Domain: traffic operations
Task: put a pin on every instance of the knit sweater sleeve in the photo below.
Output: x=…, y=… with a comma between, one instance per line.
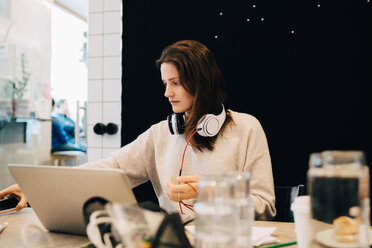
x=258, y=163
x=136, y=159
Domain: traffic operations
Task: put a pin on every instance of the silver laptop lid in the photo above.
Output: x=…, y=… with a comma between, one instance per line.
x=57, y=194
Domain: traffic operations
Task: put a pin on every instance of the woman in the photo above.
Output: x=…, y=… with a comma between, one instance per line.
x=231, y=141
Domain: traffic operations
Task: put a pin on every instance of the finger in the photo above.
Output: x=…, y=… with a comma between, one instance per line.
x=185, y=188
x=21, y=204
x=172, y=196
x=193, y=186
x=170, y=184
x=180, y=196
x=171, y=190
x=4, y=193
x=190, y=179
x=175, y=188
x=189, y=191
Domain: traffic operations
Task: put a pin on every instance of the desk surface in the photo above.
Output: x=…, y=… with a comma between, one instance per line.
x=284, y=231
x=11, y=236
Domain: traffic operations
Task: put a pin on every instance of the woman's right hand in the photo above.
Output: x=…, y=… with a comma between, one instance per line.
x=15, y=191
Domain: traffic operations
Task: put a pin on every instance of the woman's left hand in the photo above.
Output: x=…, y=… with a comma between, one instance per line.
x=187, y=188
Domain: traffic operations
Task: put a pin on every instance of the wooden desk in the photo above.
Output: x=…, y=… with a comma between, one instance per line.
x=284, y=231
x=11, y=236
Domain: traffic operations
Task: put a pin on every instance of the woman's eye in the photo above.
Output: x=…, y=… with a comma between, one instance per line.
x=176, y=83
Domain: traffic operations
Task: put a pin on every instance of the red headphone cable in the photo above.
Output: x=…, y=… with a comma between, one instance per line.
x=189, y=206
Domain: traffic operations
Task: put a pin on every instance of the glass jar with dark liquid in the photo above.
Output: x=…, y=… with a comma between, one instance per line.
x=339, y=192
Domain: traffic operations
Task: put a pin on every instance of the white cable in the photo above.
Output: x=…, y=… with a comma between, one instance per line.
x=95, y=214
x=106, y=238
x=93, y=231
x=24, y=235
x=120, y=245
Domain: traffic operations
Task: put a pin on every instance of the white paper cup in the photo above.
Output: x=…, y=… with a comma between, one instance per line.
x=302, y=218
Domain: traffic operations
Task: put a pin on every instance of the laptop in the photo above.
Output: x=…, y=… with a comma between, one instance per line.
x=57, y=194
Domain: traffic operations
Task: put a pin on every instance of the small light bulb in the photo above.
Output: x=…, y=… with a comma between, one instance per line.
x=292, y=31
x=216, y=36
x=221, y=13
x=262, y=19
x=318, y=5
x=248, y=20
x=254, y=6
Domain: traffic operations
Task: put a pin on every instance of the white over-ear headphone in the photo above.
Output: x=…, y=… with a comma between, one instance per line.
x=176, y=123
x=211, y=124
x=208, y=126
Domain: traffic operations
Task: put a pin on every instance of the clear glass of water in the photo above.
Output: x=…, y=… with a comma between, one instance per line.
x=240, y=197
x=215, y=224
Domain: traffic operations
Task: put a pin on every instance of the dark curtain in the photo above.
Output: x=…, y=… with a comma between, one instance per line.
x=303, y=68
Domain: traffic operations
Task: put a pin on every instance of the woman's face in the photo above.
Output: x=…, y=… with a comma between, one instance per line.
x=63, y=108
x=179, y=98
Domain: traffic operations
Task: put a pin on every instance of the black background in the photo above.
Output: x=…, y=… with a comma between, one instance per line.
x=304, y=71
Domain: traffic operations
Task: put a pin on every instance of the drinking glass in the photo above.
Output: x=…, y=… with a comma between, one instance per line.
x=240, y=197
x=214, y=222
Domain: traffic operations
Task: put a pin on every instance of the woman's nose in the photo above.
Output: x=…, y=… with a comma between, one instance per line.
x=168, y=91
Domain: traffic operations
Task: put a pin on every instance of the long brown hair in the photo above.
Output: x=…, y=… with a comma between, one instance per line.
x=201, y=77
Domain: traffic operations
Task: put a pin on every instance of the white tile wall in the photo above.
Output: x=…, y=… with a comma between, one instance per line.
x=96, y=5
x=110, y=92
x=95, y=23
x=111, y=67
x=94, y=154
x=95, y=46
x=111, y=44
x=110, y=112
x=107, y=151
x=94, y=112
x=95, y=65
x=111, y=141
x=95, y=141
x=104, y=75
x=112, y=5
x=109, y=19
x=95, y=91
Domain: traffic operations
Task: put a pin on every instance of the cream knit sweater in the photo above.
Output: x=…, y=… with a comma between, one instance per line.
x=156, y=156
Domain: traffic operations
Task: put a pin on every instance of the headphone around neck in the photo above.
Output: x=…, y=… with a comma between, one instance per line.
x=208, y=127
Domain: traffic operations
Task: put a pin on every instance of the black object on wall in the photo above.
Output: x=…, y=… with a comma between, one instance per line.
x=303, y=68
x=13, y=132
